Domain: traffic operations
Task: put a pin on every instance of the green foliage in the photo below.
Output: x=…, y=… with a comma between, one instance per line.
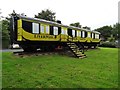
x=108, y=31
x=86, y=27
x=46, y=14
x=115, y=30
x=111, y=39
x=98, y=70
x=108, y=44
x=77, y=24
x=5, y=28
x=5, y=33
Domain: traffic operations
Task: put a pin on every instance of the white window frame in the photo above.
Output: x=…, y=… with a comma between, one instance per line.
x=92, y=35
x=47, y=29
x=62, y=31
x=55, y=30
x=41, y=28
x=35, y=28
x=96, y=36
x=83, y=34
x=73, y=33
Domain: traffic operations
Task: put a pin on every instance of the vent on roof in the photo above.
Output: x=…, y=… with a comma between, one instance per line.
x=58, y=21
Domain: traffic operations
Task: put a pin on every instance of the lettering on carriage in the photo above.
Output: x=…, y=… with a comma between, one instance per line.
x=43, y=36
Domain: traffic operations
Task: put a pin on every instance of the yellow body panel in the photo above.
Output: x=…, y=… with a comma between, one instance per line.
x=75, y=39
x=38, y=37
x=95, y=40
x=64, y=37
x=22, y=35
x=89, y=39
x=82, y=40
x=19, y=33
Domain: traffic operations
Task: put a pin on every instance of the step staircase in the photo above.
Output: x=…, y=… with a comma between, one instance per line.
x=79, y=53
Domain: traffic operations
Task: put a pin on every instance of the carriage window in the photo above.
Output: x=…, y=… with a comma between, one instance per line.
x=83, y=34
x=73, y=33
x=42, y=28
x=35, y=28
x=96, y=36
x=27, y=26
x=55, y=30
x=47, y=29
x=62, y=32
x=92, y=35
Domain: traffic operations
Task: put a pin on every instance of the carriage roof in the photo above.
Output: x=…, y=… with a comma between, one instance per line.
x=54, y=23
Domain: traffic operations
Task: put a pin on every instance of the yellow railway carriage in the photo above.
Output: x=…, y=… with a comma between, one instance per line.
x=33, y=33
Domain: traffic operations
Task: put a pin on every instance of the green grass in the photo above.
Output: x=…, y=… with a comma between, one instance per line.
x=98, y=70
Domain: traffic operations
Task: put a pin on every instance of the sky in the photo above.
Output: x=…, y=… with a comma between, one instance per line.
x=91, y=13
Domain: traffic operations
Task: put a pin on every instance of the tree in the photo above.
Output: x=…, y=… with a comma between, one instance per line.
x=5, y=30
x=5, y=34
x=77, y=24
x=115, y=30
x=46, y=14
x=86, y=27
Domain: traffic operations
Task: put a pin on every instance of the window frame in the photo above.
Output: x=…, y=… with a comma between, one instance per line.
x=35, y=28
x=47, y=29
x=83, y=34
x=55, y=30
x=42, y=29
x=73, y=32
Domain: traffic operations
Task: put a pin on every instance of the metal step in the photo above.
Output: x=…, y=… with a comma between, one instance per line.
x=76, y=50
x=71, y=43
x=82, y=57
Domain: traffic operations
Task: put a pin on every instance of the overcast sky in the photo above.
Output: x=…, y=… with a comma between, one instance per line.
x=92, y=13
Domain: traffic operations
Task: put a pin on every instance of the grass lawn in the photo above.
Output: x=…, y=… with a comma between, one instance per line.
x=98, y=70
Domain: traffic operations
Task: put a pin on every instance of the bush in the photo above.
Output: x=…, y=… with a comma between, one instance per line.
x=108, y=44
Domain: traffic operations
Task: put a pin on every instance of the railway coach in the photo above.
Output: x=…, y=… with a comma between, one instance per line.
x=33, y=33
